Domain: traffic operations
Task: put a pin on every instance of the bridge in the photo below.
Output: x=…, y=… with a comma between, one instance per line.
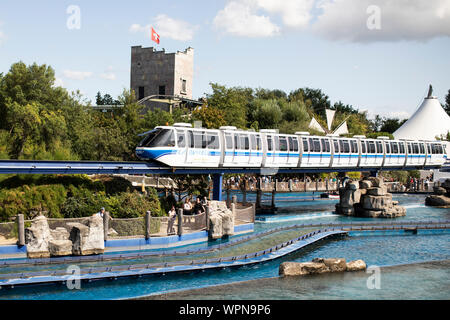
x=108, y=167
x=10, y=280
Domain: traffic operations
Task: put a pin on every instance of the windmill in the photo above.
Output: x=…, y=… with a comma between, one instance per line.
x=340, y=129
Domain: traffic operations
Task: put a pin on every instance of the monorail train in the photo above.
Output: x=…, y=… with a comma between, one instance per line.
x=182, y=146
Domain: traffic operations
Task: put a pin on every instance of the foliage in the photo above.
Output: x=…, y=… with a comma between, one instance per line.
x=211, y=117
x=73, y=196
x=447, y=103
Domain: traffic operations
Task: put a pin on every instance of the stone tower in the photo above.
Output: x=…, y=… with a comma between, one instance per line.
x=159, y=73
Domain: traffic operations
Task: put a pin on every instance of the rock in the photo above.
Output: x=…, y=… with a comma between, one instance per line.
x=37, y=237
x=112, y=232
x=346, y=211
x=376, y=181
x=352, y=186
x=438, y=201
x=221, y=220
x=357, y=265
x=376, y=202
x=377, y=191
x=439, y=191
x=58, y=248
x=88, y=240
x=365, y=184
x=302, y=268
x=335, y=265
x=60, y=234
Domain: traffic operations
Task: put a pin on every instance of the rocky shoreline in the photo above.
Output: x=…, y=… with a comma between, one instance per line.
x=319, y=266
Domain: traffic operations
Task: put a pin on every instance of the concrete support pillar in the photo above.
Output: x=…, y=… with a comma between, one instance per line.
x=258, y=198
x=21, y=230
x=233, y=209
x=106, y=218
x=180, y=222
x=234, y=201
x=274, y=192
x=317, y=185
x=148, y=217
x=254, y=212
x=207, y=215
x=217, y=186
x=290, y=185
x=244, y=196
x=228, y=197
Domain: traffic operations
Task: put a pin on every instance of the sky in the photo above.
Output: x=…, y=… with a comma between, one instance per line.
x=376, y=55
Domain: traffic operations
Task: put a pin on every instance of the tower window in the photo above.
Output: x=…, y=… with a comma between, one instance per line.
x=183, y=86
x=162, y=90
x=141, y=93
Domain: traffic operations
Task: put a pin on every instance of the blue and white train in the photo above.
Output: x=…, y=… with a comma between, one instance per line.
x=182, y=146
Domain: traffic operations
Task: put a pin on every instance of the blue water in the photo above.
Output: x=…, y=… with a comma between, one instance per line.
x=380, y=250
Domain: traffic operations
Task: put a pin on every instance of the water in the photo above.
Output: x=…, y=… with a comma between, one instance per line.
x=380, y=250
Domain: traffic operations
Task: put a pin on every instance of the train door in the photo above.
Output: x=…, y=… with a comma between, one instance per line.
x=337, y=153
x=283, y=157
x=354, y=150
x=229, y=149
x=325, y=154
x=270, y=153
x=364, y=151
x=380, y=154
x=305, y=152
x=423, y=154
x=182, y=146
x=315, y=152
x=388, y=154
x=245, y=149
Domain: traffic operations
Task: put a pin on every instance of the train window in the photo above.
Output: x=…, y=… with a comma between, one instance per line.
x=228, y=141
x=429, y=148
x=415, y=148
x=316, y=145
x=441, y=149
x=277, y=143
x=409, y=148
x=352, y=146
x=295, y=144
x=363, y=147
x=311, y=145
x=402, y=147
x=258, y=142
x=213, y=141
x=269, y=143
x=341, y=146
x=253, y=141
x=246, y=142
x=190, y=136
x=346, y=146
x=394, y=147
x=324, y=145
x=204, y=140
x=388, y=147
x=379, y=147
x=372, y=147
x=199, y=140
x=336, y=146
x=159, y=138
x=291, y=144
x=283, y=144
x=181, y=139
x=422, y=148
x=305, y=145
x=236, y=141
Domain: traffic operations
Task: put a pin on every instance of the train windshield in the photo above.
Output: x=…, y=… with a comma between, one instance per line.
x=159, y=138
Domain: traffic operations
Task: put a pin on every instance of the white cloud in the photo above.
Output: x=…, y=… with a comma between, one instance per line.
x=58, y=83
x=346, y=20
x=340, y=20
x=240, y=18
x=77, y=75
x=108, y=76
x=167, y=27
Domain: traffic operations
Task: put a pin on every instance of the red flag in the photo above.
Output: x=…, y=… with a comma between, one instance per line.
x=155, y=36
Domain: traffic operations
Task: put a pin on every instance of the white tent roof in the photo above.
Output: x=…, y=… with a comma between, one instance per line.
x=429, y=121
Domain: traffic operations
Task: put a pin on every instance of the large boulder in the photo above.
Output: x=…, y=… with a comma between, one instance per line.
x=88, y=239
x=302, y=268
x=60, y=234
x=37, y=237
x=221, y=220
x=58, y=248
x=334, y=265
x=357, y=265
x=371, y=202
x=440, y=201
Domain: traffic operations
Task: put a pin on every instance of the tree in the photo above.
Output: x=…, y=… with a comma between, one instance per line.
x=106, y=100
x=391, y=125
x=268, y=114
x=212, y=118
x=233, y=102
x=447, y=103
